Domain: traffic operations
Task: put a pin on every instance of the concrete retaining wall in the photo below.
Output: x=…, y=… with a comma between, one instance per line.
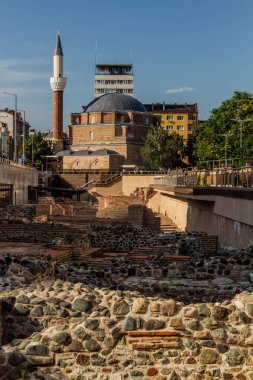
x=21, y=178
x=231, y=219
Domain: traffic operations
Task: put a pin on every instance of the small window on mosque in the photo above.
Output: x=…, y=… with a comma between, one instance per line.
x=93, y=120
x=118, y=131
x=91, y=135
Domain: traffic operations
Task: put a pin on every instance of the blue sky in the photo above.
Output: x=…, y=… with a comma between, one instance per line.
x=183, y=50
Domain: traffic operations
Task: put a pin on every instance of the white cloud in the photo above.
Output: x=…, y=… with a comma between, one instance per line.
x=24, y=91
x=5, y=63
x=20, y=76
x=179, y=89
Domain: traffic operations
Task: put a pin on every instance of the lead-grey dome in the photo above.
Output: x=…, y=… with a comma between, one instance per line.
x=115, y=102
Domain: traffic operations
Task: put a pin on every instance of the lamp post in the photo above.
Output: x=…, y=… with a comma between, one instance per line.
x=240, y=122
x=226, y=135
x=14, y=125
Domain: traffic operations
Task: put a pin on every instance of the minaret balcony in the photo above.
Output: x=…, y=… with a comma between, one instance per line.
x=58, y=83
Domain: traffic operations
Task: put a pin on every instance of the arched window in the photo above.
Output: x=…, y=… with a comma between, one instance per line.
x=91, y=135
x=93, y=120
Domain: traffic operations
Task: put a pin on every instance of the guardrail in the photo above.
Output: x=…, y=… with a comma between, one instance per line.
x=224, y=177
x=6, y=161
x=123, y=171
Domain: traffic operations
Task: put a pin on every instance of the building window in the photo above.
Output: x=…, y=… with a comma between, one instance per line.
x=190, y=127
x=192, y=117
x=118, y=131
x=180, y=127
x=169, y=128
x=91, y=135
x=130, y=131
x=170, y=117
x=93, y=120
x=180, y=117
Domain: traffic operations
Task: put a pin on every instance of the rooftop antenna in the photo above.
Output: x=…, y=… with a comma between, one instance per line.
x=131, y=57
x=96, y=51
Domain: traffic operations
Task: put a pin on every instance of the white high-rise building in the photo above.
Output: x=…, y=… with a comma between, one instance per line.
x=110, y=78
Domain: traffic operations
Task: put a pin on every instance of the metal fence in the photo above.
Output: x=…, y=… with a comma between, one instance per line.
x=223, y=177
x=5, y=195
x=6, y=161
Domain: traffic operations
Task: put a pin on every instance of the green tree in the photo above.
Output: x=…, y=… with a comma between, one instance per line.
x=163, y=150
x=36, y=150
x=210, y=138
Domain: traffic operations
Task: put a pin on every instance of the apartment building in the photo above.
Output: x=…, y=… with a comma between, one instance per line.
x=179, y=118
x=111, y=78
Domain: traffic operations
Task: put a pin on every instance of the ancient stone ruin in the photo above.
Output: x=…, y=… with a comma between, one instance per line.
x=109, y=299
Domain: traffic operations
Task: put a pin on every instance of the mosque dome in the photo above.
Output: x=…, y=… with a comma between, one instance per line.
x=115, y=102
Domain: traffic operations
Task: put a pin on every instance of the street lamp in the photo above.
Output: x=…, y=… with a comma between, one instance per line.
x=226, y=135
x=14, y=124
x=240, y=122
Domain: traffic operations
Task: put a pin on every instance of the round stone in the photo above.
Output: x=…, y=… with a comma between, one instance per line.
x=23, y=299
x=154, y=324
x=152, y=372
x=121, y=307
x=208, y=356
x=129, y=324
x=82, y=305
x=38, y=301
x=92, y=345
x=140, y=306
x=83, y=360
x=63, y=338
x=37, y=311
x=91, y=324
x=37, y=349
x=21, y=310
x=235, y=357
x=220, y=313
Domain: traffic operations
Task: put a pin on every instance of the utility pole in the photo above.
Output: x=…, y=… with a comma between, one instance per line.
x=226, y=135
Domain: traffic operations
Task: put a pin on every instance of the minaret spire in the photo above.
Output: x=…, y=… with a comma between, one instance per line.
x=58, y=83
x=58, y=48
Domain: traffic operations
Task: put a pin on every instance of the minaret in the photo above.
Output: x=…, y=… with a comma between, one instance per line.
x=58, y=83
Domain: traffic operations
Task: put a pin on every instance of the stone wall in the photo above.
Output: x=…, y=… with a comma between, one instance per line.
x=69, y=330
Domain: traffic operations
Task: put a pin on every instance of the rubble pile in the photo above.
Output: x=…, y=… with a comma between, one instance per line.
x=17, y=214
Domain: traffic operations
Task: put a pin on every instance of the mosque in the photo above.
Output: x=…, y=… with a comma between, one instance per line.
x=107, y=135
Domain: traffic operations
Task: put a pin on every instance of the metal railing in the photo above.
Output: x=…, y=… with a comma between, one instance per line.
x=228, y=163
x=100, y=182
x=222, y=177
x=6, y=161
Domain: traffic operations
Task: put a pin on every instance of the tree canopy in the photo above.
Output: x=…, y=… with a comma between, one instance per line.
x=163, y=150
x=223, y=124
x=36, y=150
